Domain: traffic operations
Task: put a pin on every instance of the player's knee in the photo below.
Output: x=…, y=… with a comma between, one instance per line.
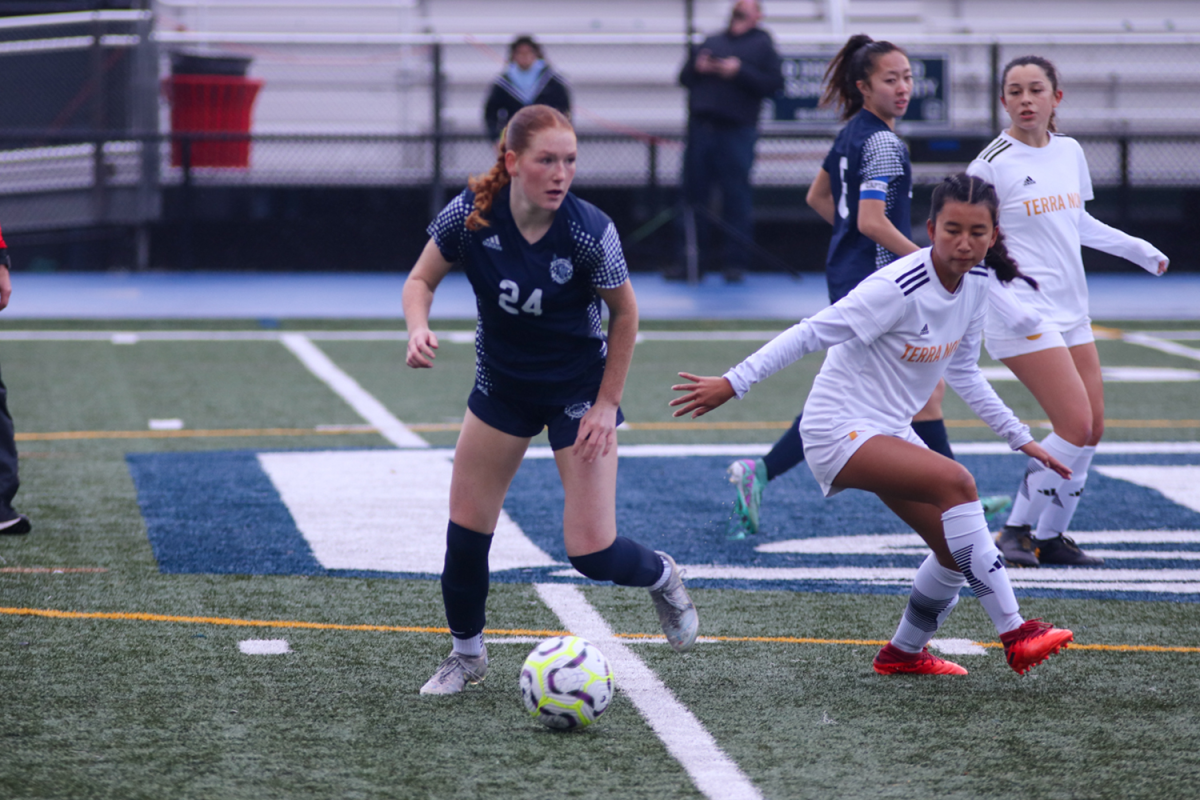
x=958, y=487
x=1076, y=430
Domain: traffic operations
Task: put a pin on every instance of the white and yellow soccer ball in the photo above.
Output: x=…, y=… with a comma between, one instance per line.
x=566, y=683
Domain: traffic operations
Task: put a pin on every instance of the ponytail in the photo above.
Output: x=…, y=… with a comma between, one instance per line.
x=999, y=261
x=517, y=136
x=852, y=64
x=486, y=187
x=964, y=188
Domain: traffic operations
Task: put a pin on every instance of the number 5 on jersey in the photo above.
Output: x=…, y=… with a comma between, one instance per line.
x=510, y=294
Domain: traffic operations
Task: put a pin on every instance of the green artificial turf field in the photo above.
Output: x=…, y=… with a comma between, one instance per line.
x=123, y=674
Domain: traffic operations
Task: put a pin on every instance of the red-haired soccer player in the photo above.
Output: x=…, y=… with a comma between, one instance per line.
x=541, y=261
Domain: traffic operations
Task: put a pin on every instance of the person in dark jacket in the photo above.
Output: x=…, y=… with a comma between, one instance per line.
x=727, y=78
x=10, y=521
x=527, y=80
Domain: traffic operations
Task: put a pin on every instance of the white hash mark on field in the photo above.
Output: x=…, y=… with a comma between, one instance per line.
x=264, y=647
x=349, y=390
x=958, y=647
x=712, y=771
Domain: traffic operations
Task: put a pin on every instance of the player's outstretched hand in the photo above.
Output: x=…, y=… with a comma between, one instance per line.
x=703, y=394
x=1162, y=266
x=597, y=432
x=1036, y=451
x=421, y=345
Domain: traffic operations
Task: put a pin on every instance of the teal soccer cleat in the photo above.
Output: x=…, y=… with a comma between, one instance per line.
x=749, y=476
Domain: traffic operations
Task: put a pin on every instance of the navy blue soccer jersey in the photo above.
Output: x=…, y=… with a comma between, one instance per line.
x=867, y=161
x=538, y=333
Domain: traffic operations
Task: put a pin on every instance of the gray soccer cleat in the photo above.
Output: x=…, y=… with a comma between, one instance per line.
x=676, y=613
x=1015, y=543
x=456, y=672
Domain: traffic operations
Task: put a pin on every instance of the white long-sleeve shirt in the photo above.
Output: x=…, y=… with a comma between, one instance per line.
x=890, y=341
x=1042, y=193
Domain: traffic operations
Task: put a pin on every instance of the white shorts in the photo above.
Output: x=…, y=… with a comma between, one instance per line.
x=827, y=452
x=1000, y=348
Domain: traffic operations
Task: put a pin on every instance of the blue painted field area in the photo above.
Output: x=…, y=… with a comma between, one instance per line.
x=849, y=543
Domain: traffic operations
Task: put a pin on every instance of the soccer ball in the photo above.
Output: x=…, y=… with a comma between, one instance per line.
x=566, y=683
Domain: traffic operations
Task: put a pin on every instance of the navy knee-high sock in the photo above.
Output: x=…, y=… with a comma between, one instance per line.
x=465, y=580
x=787, y=452
x=933, y=433
x=624, y=562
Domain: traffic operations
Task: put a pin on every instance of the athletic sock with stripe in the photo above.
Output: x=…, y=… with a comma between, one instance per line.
x=1056, y=519
x=1041, y=483
x=981, y=563
x=934, y=595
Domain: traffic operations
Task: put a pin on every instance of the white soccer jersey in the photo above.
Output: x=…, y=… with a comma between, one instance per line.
x=1042, y=193
x=890, y=340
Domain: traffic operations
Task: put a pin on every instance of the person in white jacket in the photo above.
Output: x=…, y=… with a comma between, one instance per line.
x=1042, y=180
x=890, y=341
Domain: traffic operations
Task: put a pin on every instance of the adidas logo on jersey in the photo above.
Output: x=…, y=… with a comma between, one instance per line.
x=493, y=243
x=924, y=330
x=1029, y=181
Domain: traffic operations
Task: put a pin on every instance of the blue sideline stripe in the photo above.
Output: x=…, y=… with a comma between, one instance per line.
x=217, y=513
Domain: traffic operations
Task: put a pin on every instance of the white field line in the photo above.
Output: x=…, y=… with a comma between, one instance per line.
x=961, y=448
x=348, y=389
x=1159, y=340
x=712, y=771
x=1162, y=346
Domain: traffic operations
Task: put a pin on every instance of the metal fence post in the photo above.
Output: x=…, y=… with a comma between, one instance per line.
x=1123, y=196
x=186, y=257
x=436, y=189
x=99, y=123
x=652, y=179
x=993, y=86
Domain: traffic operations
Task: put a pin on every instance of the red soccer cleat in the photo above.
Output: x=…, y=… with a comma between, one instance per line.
x=1032, y=643
x=892, y=660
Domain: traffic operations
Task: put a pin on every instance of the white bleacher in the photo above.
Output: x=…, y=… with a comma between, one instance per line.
x=627, y=77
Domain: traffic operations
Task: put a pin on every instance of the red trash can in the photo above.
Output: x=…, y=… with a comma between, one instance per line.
x=212, y=104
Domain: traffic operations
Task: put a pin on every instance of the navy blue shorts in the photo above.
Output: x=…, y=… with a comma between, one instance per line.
x=527, y=419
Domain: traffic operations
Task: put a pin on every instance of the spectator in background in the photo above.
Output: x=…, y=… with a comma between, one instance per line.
x=10, y=521
x=727, y=79
x=527, y=80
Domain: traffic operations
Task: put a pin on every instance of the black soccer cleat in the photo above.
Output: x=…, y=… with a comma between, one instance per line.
x=16, y=527
x=1062, y=551
x=1015, y=543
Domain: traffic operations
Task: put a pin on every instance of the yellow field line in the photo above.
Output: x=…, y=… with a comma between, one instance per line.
x=454, y=427
x=50, y=570
x=138, y=616
x=56, y=436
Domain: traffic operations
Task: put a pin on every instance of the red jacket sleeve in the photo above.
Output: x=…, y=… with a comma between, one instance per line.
x=2, y=244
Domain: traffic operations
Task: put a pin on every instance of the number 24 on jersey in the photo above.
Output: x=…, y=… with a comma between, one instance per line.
x=510, y=294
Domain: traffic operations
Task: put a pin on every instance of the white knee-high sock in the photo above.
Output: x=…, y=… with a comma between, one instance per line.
x=1056, y=519
x=981, y=564
x=934, y=595
x=1040, y=483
